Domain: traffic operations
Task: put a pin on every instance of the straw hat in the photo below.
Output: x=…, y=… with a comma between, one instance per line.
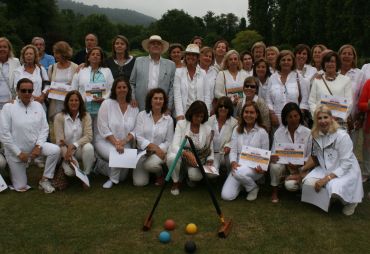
x=192, y=48
x=145, y=43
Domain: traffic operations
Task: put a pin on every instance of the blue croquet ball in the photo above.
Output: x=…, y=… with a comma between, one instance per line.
x=164, y=237
x=190, y=247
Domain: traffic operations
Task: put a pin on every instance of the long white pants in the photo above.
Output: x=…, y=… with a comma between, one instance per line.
x=103, y=148
x=277, y=173
x=146, y=165
x=194, y=174
x=242, y=177
x=18, y=174
x=84, y=153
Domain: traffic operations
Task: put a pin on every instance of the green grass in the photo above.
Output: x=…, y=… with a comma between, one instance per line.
x=110, y=221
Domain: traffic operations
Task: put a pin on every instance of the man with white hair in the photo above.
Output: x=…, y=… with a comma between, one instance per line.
x=152, y=71
x=45, y=59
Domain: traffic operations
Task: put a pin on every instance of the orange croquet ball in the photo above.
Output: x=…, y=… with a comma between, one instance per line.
x=169, y=224
x=191, y=229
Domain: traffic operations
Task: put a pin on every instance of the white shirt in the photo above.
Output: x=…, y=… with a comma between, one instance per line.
x=357, y=77
x=256, y=137
x=5, y=94
x=302, y=135
x=211, y=75
x=341, y=86
x=20, y=73
x=111, y=120
x=72, y=129
x=22, y=127
x=263, y=89
x=308, y=72
x=226, y=82
x=280, y=94
x=159, y=133
x=153, y=73
x=366, y=70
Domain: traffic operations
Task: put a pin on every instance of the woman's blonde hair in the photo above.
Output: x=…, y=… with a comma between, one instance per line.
x=354, y=62
x=225, y=64
x=10, y=53
x=36, y=61
x=315, y=128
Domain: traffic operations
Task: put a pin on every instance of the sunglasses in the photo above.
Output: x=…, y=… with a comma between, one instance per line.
x=223, y=106
x=250, y=86
x=26, y=90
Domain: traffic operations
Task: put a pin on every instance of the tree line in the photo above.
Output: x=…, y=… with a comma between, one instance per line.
x=277, y=22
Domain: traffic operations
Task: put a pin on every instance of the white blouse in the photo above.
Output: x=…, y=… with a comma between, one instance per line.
x=159, y=133
x=111, y=120
x=366, y=70
x=308, y=72
x=302, y=135
x=72, y=129
x=226, y=82
x=37, y=76
x=357, y=77
x=256, y=137
x=280, y=94
x=263, y=89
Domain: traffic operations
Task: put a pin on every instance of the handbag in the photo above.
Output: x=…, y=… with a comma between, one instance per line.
x=60, y=180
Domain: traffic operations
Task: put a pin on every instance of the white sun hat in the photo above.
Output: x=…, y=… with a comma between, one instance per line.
x=192, y=48
x=145, y=43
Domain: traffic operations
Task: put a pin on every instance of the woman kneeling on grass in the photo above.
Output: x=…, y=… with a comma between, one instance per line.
x=249, y=132
x=200, y=132
x=335, y=166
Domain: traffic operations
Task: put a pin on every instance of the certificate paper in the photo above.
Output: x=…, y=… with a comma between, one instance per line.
x=211, y=170
x=3, y=185
x=290, y=153
x=338, y=105
x=127, y=159
x=58, y=90
x=80, y=174
x=320, y=199
x=253, y=157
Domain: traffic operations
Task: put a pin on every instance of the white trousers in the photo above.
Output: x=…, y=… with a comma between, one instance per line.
x=221, y=161
x=18, y=174
x=277, y=173
x=242, y=177
x=84, y=153
x=146, y=165
x=116, y=175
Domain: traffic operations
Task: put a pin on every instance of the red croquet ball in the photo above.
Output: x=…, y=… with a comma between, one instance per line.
x=169, y=224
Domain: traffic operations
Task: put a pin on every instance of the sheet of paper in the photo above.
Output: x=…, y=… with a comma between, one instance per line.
x=128, y=159
x=290, y=153
x=94, y=90
x=320, y=199
x=338, y=105
x=210, y=170
x=253, y=157
x=59, y=90
x=3, y=185
x=81, y=175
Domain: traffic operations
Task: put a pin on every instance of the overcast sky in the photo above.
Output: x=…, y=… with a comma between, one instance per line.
x=156, y=8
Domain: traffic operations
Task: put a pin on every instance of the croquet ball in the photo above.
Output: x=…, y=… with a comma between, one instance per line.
x=190, y=247
x=191, y=228
x=169, y=224
x=164, y=237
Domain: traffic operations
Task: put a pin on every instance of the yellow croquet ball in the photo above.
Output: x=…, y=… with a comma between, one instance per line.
x=191, y=229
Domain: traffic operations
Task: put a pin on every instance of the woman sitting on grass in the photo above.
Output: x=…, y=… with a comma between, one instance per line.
x=335, y=166
x=249, y=132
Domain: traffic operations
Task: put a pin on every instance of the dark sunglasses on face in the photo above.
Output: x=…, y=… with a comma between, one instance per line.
x=222, y=106
x=251, y=86
x=26, y=90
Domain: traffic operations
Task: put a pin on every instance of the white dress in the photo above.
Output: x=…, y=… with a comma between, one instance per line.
x=335, y=155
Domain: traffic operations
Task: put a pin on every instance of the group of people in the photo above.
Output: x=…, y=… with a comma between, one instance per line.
x=224, y=101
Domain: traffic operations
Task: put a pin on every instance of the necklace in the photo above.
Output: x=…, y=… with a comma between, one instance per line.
x=330, y=78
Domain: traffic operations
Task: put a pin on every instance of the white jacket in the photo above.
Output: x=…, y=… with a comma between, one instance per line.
x=227, y=131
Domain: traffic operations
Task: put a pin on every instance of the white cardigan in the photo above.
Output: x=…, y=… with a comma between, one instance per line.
x=82, y=78
x=227, y=131
x=181, y=89
x=183, y=128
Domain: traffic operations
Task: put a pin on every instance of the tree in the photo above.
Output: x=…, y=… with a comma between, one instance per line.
x=244, y=40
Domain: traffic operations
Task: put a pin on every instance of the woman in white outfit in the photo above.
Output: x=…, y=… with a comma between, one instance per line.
x=261, y=72
x=195, y=127
x=93, y=77
x=222, y=124
x=316, y=56
x=206, y=60
x=291, y=131
x=190, y=83
x=73, y=133
x=116, y=122
x=335, y=166
x=23, y=131
x=154, y=132
x=331, y=83
x=249, y=132
x=286, y=85
x=302, y=55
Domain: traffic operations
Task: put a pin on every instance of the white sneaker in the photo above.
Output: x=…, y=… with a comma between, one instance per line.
x=68, y=171
x=46, y=186
x=175, y=190
x=349, y=209
x=252, y=195
x=108, y=184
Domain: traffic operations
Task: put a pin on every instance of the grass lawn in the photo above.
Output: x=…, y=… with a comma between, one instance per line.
x=110, y=221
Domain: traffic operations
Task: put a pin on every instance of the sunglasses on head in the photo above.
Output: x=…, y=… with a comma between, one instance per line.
x=251, y=86
x=26, y=90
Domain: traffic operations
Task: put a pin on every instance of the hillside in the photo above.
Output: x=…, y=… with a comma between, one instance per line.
x=126, y=16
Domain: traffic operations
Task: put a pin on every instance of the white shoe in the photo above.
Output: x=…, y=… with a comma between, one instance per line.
x=252, y=195
x=349, y=209
x=175, y=190
x=68, y=171
x=46, y=186
x=108, y=184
